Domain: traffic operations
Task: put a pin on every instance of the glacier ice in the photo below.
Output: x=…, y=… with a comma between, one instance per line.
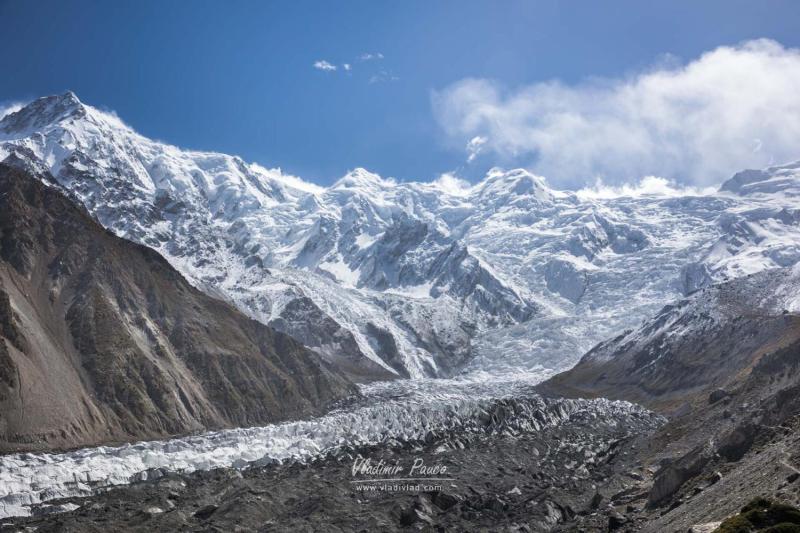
x=390, y=412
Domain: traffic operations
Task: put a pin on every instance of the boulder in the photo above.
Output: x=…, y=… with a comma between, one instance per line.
x=673, y=475
x=717, y=395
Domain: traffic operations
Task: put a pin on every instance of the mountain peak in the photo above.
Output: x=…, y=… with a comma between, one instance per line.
x=778, y=179
x=360, y=177
x=518, y=182
x=68, y=97
x=42, y=112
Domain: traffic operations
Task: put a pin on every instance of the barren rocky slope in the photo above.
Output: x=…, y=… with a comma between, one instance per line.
x=708, y=341
x=724, y=365
x=102, y=340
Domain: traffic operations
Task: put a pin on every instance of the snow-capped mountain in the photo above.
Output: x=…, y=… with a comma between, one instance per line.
x=414, y=279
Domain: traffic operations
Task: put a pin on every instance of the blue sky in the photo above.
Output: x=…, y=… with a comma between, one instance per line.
x=239, y=76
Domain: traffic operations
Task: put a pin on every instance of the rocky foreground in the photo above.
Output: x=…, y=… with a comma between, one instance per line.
x=580, y=476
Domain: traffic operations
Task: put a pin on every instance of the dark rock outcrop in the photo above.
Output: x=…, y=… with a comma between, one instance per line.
x=673, y=475
x=305, y=321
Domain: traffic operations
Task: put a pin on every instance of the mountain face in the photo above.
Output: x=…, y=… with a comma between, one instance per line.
x=711, y=340
x=410, y=279
x=102, y=340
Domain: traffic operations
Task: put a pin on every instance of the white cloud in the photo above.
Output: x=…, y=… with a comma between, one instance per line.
x=452, y=184
x=289, y=179
x=381, y=76
x=324, y=65
x=647, y=186
x=474, y=147
x=731, y=108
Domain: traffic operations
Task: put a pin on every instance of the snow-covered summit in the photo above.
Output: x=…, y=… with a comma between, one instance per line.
x=517, y=183
x=44, y=111
x=783, y=179
x=362, y=179
x=414, y=278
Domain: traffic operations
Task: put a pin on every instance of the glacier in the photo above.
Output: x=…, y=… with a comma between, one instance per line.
x=387, y=414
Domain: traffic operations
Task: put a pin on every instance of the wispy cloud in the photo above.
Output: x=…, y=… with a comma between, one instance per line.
x=732, y=108
x=382, y=76
x=9, y=107
x=324, y=65
x=474, y=147
x=452, y=184
x=647, y=186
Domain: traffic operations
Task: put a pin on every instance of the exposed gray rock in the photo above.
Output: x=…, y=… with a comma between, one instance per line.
x=717, y=395
x=672, y=476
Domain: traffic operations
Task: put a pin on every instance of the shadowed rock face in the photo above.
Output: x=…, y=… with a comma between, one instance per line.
x=102, y=340
x=305, y=321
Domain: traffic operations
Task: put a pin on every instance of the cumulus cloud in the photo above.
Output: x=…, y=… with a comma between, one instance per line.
x=732, y=108
x=347, y=66
x=324, y=65
x=371, y=57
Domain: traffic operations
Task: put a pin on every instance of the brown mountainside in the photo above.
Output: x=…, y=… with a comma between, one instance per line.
x=102, y=340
